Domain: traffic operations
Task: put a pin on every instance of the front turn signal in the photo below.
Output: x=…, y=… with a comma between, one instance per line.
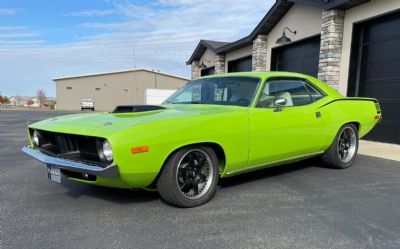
x=139, y=149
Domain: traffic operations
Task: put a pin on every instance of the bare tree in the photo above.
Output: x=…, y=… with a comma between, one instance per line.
x=41, y=96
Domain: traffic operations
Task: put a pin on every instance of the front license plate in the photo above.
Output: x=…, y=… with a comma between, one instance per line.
x=54, y=174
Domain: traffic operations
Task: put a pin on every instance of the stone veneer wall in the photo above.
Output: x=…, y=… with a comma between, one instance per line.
x=331, y=46
x=260, y=48
x=195, y=70
x=219, y=63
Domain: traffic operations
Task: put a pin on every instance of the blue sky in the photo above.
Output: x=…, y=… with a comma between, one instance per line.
x=40, y=40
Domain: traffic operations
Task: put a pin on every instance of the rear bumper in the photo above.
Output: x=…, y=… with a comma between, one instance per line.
x=61, y=163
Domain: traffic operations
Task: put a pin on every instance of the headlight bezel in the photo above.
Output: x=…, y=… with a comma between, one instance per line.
x=35, y=137
x=104, y=150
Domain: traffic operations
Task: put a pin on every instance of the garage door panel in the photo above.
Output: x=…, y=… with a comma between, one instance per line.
x=380, y=74
x=381, y=90
x=300, y=57
x=383, y=131
x=383, y=30
x=384, y=51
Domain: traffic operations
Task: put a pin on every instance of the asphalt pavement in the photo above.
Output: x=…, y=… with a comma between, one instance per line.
x=302, y=205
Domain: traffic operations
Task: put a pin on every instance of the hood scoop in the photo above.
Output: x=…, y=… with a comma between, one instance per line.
x=136, y=108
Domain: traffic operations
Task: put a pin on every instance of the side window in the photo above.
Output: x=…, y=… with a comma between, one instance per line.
x=296, y=92
x=192, y=95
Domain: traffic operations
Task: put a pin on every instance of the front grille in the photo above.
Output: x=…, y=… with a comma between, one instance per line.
x=69, y=146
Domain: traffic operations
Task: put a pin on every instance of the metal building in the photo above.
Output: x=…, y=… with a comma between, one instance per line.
x=109, y=89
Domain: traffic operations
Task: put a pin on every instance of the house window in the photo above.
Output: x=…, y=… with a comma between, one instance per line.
x=69, y=87
x=97, y=89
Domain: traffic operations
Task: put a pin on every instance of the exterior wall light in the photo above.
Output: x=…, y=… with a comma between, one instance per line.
x=284, y=39
x=202, y=65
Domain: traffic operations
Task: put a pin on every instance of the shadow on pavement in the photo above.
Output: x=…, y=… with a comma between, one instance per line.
x=122, y=196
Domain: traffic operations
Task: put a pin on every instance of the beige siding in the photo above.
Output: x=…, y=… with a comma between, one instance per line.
x=112, y=87
x=208, y=58
x=237, y=54
x=306, y=20
x=357, y=14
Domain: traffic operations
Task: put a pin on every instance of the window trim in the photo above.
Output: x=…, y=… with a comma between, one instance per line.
x=304, y=80
x=253, y=98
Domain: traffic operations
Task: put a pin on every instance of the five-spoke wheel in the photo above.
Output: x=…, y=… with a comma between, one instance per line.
x=342, y=152
x=190, y=177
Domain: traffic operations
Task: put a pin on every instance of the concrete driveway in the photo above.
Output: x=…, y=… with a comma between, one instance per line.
x=294, y=206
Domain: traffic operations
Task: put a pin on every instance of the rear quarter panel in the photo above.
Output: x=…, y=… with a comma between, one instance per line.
x=361, y=111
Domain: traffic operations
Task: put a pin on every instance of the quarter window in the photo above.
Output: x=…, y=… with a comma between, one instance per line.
x=295, y=91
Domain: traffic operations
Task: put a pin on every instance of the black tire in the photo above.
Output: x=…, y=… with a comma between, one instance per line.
x=334, y=157
x=169, y=180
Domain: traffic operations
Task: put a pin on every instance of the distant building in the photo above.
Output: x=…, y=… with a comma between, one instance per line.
x=109, y=89
x=29, y=101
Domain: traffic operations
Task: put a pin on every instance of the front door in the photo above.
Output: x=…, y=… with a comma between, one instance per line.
x=295, y=130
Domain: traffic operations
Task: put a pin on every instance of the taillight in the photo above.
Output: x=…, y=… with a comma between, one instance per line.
x=377, y=107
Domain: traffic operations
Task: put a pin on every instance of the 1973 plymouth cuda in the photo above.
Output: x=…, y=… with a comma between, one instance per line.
x=212, y=127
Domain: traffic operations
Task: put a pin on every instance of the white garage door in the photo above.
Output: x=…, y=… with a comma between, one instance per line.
x=157, y=96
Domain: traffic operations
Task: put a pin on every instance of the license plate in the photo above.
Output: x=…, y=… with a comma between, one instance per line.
x=54, y=174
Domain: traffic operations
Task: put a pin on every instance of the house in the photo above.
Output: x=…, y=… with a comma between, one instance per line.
x=353, y=45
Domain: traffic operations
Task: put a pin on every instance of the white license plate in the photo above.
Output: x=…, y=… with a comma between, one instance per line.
x=54, y=174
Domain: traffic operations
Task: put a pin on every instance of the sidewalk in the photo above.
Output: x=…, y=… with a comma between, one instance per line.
x=382, y=150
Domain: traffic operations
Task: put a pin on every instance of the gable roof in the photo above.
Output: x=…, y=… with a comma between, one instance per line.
x=118, y=71
x=273, y=16
x=202, y=47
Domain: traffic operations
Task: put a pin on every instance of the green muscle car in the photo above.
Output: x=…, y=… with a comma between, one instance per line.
x=212, y=127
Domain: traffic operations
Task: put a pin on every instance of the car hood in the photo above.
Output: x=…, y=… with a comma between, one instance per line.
x=103, y=123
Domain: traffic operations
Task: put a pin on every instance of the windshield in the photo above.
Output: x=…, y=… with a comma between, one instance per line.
x=217, y=91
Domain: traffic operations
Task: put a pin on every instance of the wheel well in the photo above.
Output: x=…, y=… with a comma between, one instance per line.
x=357, y=124
x=219, y=151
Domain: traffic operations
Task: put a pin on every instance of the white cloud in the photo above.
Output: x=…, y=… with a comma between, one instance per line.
x=18, y=42
x=88, y=13
x=16, y=35
x=7, y=11
x=163, y=36
x=12, y=27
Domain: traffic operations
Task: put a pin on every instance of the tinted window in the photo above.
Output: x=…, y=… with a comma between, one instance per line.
x=217, y=91
x=296, y=92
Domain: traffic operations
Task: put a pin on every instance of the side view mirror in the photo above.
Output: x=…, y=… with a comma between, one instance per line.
x=279, y=102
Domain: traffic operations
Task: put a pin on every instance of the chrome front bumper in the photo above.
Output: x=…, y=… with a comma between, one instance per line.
x=61, y=163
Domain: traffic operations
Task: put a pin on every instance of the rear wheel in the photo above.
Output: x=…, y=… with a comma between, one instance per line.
x=342, y=152
x=190, y=177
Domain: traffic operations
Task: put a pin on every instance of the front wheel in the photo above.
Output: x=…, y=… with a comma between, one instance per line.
x=342, y=152
x=190, y=177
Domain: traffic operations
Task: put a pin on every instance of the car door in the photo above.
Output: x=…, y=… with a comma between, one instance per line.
x=295, y=130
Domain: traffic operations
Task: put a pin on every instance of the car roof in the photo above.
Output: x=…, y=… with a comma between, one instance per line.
x=262, y=74
x=267, y=74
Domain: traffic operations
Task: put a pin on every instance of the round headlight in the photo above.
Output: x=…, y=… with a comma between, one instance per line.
x=35, y=138
x=107, y=151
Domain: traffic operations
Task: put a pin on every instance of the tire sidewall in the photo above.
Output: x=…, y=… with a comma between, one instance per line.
x=167, y=181
x=339, y=163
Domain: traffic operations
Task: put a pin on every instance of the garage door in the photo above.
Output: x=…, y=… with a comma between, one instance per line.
x=240, y=65
x=300, y=57
x=380, y=74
